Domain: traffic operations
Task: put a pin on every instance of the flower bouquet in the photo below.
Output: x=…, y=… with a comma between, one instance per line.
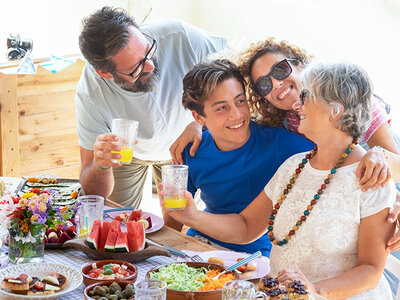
x=27, y=218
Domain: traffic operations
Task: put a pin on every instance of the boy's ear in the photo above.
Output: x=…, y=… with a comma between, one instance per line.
x=104, y=74
x=198, y=118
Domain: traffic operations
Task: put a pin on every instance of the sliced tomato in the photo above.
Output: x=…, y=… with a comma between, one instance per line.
x=39, y=285
x=115, y=269
x=93, y=274
x=54, y=274
x=118, y=218
x=23, y=277
x=8, y=278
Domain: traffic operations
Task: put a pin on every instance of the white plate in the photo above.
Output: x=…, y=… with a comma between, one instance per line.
x=156, y=222
x=230, y=258
x=74, y=278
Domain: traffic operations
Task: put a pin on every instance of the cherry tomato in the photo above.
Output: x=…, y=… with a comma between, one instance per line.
x=39, y=285
x=242, y=268
x=54, y=274
x=23, y=277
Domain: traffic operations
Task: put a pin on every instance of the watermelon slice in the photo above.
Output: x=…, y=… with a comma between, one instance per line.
x=136, y=236
x=121, y=245
x=112, y=236
x=94, y=236
x=104, y=234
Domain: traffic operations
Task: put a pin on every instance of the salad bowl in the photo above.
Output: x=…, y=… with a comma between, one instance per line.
x=173, y=294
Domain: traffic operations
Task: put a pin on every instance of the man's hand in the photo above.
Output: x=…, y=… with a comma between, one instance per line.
x=102, y=155
x=373, y=170
x=192, y=133
x=394, y=215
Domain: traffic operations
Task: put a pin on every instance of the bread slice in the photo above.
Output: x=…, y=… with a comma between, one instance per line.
x=14, y=285
x=41, y=293
x=216, y=260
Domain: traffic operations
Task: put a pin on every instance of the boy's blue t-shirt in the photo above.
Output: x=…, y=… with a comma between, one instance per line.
x=230, y=180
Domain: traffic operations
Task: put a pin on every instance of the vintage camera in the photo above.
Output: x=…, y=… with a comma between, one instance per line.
x=17, y=47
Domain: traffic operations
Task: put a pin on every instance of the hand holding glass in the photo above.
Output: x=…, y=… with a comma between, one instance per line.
x=174, y=180
x=126, y=130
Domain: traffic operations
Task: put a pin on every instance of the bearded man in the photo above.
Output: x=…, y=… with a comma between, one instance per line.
x=133, y=72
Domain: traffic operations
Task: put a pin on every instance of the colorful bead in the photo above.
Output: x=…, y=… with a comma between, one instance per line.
x=289, y=186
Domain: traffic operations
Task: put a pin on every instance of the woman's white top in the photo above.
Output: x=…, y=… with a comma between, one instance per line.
x=325, y=245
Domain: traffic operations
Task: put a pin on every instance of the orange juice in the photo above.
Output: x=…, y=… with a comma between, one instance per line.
x=175, y=202
x=126, y=154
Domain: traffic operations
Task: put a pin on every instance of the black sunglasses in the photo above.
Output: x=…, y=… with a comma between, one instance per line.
x=149, y=55
x=303, y=95
x=280, y=71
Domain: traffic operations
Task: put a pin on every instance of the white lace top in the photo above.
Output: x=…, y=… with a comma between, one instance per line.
x=326, y=243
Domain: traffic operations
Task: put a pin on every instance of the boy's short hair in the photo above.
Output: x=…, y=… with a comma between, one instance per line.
x=200, y=82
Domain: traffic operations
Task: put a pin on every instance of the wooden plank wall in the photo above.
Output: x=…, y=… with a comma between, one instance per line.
x=47, y=139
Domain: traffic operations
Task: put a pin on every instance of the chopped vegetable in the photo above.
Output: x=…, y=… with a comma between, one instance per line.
x=212, y=284
x=181, y=277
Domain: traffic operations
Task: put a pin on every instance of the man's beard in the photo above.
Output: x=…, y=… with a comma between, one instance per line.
x=138, y=86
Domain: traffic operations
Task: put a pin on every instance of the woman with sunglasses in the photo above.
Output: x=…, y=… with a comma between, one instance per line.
x=272, y=70
x=325, y=231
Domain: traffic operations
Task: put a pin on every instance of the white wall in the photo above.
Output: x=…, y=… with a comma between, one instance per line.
x=366, y=32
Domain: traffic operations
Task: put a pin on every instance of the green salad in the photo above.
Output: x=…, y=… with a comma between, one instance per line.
x=180, y=277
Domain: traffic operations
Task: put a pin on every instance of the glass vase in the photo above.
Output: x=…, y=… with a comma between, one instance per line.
x=21, y=251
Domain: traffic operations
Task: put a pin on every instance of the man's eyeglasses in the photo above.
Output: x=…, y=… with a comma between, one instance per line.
x=149, y=55
x=280, y=71
x=303, y=95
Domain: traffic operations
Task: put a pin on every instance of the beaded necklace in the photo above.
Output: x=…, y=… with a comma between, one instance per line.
x=316, y=197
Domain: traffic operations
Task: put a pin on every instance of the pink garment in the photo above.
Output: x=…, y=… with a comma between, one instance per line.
x=378, y=117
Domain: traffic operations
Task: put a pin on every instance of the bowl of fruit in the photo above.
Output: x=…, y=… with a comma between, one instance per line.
x=106, y=270
x=56, y=237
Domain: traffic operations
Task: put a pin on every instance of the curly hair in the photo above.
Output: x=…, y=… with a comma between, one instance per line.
x=200, y=82
x=103, y=35
x=262, y=110
x=342, y=85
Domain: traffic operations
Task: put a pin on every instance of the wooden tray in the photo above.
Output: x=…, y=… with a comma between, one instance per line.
x=149, y=251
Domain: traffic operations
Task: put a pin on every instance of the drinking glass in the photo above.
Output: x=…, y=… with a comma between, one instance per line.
x=174, y=180
x=240, y=290
x=126, y=130
x=150, y=289
x=91, y=209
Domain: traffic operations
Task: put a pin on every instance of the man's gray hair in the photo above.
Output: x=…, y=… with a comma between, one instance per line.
x=343, y=86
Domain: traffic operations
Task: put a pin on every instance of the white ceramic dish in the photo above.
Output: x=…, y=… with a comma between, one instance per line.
x=41, y=270
x=157, y=222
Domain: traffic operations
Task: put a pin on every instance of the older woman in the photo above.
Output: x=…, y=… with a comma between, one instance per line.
x=323, y=227
x=273, y=71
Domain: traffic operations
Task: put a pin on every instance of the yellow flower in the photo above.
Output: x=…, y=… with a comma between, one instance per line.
x=42, y=207
x=34, y=218
x=23, y=202
x=44, y=198
x=35, y=198
x=27, y=195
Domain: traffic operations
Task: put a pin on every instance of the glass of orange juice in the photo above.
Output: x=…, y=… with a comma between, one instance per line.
x=174, y=180
x=126, y=130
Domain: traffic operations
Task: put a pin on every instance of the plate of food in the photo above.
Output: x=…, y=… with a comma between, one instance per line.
x=151, y=221
x=38, y=281
x=66, y=189
x=255, y=269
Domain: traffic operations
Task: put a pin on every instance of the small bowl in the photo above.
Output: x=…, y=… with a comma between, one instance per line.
x=89, y=280
x=122, y=284
x=200, y=295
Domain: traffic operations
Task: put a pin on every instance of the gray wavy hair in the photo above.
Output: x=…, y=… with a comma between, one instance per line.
x=342, y=85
